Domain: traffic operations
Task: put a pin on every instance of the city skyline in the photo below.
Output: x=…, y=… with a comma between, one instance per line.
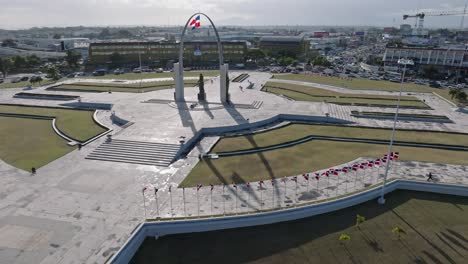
x=28, y=13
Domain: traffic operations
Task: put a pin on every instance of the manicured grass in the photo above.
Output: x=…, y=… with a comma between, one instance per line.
x=127, y=88
x=312, y=94
x=26, y=84
x=435, y=226
x=364, y=84
x=74, y=123
x=297, y=131
x=392, y=115
x=151, y=75
x=307, y=157
x=27, y=143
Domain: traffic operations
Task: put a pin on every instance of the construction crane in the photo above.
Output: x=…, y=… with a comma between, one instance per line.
x=419, y=25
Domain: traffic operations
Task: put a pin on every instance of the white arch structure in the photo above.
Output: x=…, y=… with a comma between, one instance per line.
x=179, y=66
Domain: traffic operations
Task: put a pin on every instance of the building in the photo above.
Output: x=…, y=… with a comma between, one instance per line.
x=445, y=59
x=405, y=29
x=292, y=46
x=163, y=54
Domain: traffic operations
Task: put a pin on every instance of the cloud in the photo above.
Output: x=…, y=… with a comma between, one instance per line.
x=24, y=13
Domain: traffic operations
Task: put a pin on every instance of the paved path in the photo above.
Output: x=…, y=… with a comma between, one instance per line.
x=81, y=211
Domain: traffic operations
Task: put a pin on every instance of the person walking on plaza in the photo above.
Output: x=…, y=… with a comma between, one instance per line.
x=429, y=177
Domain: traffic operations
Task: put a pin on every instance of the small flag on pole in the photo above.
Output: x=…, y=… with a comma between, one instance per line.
x=155, y=190
x=234, y=185
x=144, y=189
x=294, y=179
x=248, y=184
x=198, y=187
x=306, y=177
x=212, y=186
x=317, y=176
x=260, y=183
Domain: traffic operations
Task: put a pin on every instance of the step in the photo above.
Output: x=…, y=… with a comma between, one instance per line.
x=144, y=151
x=124, y=159
x=133, y=155
x=130, y=161
x=120, y=146
x=141, y=143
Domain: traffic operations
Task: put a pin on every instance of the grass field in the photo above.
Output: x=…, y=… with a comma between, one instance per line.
x=128, y=88
x=435, y=226
x=26, y=84
x=74, y=123
x=26, y=143
x=312, y=94
x=151, y=75
x=307, y=157
x=364, y=84
x=297, y=131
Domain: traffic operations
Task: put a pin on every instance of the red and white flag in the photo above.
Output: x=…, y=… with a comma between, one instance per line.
x=199, y=186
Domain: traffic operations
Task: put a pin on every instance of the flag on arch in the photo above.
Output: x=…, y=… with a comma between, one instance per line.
x=195, y=23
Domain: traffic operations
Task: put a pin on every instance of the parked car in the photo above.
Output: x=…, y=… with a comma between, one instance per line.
x=118, y=71
x=71, y=75
x=137, y=70
x=1, y=80
x=24, y=79
x=100, y=72
x=16, y=80
x=159, y=70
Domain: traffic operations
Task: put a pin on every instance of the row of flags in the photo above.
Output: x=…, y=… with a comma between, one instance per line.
x=355, y=167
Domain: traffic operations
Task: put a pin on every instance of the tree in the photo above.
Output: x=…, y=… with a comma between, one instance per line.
x=461, y=96
x=53, y=73
x=284, y=61
x=431, y=72
x=19, y=62
x=322, y=61
x=5, y=65
x=72, y=58
x=35, y=79
x=343, y=238
x=33, y=61
x=9, y=43
x=453, y=93
x=359, y=220
x=255, y=54
x=398, y=231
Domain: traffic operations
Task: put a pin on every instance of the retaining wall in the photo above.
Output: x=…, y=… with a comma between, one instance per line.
x=157, y=229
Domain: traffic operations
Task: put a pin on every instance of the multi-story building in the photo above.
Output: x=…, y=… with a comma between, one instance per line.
x=444, y=58
x=163, y=54
x=295, y=46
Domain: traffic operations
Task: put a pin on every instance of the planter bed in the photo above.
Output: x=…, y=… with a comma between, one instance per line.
x=61, y=97
x=409, y=117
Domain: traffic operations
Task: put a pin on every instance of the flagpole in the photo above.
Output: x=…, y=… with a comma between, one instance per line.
x=170, y=195
x=337, y=183
x=236, y=201
x=295, y=198
x=144, y=202
x=211, y=202
x=261, y=198
x=273, y=195
x=355, y=179
x=198, y=204
x=224, y=201
x=404, y=62
x=156, y=200
x=183, y=197
x=328, y=184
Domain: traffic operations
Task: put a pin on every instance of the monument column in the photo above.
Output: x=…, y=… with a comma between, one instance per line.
x=179, y=83
x=224, y=88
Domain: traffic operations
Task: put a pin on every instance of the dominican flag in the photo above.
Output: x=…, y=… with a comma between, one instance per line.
x=195, y=23
x=317, y=176
x=144, y=189
x=198, y=187
x=306, y=177
x=260, y=183
x=294, y=179
x=155, y=190
x=212, y=186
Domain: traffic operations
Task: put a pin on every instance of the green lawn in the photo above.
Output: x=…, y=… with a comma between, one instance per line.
x=74, y=123
x=297, y=131
x=127, y=88
x=363, y=84
x=435, y=226
x=312, y=94
x=26, y=143
x=306, y=157
x=25, y=84
x=151, y=75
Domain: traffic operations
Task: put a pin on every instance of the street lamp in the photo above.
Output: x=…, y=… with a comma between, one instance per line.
x=404, y=62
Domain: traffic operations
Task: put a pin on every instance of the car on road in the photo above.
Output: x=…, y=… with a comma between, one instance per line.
x=137, y=70
x=118, y=71
x=24, y=79
x=100, y=72
x=159, y=70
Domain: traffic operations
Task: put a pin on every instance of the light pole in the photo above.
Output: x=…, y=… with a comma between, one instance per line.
x=404, y=62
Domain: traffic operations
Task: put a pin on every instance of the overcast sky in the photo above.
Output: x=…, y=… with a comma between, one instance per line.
x=27, y=13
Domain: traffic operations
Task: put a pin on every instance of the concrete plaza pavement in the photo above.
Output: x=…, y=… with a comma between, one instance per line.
x=81, y=211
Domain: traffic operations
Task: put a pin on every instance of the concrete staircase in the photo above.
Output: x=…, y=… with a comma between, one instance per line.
x=341, y=112
x=137, y=152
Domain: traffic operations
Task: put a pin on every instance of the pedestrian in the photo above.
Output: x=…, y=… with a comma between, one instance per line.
x=211, y=80
x=33, y=171
x=241, y=88
x=429, y=177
